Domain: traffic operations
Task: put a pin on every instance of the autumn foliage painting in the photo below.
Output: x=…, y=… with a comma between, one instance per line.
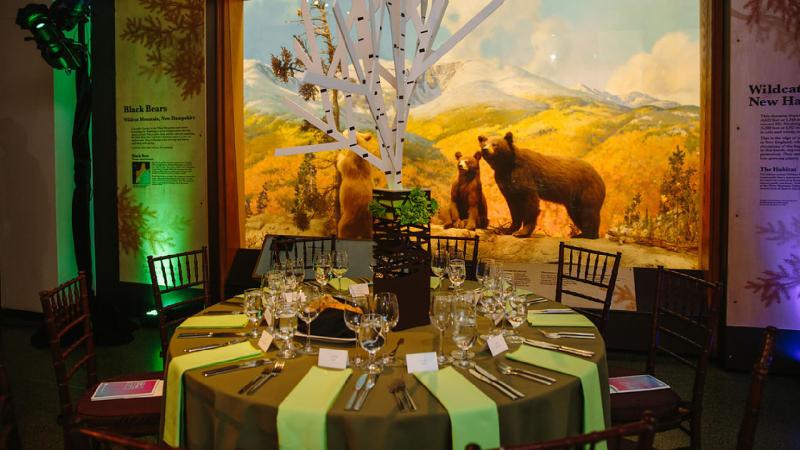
x=551, y=121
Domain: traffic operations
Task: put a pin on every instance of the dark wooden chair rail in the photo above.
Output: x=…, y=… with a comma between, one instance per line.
x=643, y=430
x=464, y=244
x=285, y=247
x=589, y=267
x=177, y=277
x=747, y=430
x=104, y=440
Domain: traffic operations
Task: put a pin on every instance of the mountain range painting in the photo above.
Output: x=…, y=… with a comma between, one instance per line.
x=608, y=86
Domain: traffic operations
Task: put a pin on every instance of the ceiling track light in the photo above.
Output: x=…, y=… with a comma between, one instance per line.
x=47, y=26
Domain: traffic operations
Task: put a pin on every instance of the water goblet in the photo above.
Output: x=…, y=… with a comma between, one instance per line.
x=339, y=262
x=386, y=305
x=307, y=311
x=252, y=308
x=516, y=314
x=322, y=269
x=371, y=338
x=456, y=271
x=286, y=316
x=352, y=317
x=464, y=330
x=440, y=315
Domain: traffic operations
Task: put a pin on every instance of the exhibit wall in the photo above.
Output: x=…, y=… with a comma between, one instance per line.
x=605, y=92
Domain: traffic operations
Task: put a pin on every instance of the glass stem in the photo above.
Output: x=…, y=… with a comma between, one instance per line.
x=308, y=334
x=441, y=342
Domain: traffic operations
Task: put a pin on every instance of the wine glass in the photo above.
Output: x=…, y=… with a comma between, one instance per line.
x=268, y=309
x=288, y=274
x=322, y=269
x=339, y=262
x=307, y=311
x=371, y=338
x=516, y=313
x=352, y=317
x=439, y=264
x=457, y=271
x=275, y=281
x=489, y=306
x=286, y=316
x=298, y=270
x=439, y=314
x=386, y=305
x=465, y=329
x=252, y=308
x=482, y=269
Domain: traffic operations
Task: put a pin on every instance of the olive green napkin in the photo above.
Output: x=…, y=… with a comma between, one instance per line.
x=173, y=410
x=473, y=415
x=435, y=282
x=342, y=284
x=302, y=415
x=593, y=416
x=558, y=320
x=215, y=321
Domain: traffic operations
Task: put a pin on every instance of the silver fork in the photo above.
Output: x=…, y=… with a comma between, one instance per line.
x=567, y=335
x=264, y=373
x=275, y=372
x=533, y=376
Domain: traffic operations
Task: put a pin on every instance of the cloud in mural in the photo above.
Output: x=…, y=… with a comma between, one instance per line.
x=670, y=71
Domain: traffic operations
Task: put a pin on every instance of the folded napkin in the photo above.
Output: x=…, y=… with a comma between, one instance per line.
x=558, y=320
x=302, y=414
x=342, y=284
x=593, y=416
x=521, y=291
x=473, y=415
x=435, y=282
x=173, y=410
x=215, y=321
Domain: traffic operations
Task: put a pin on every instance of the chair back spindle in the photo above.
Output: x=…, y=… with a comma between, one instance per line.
x=747, y=430
x=285, y=247
x=466, y=245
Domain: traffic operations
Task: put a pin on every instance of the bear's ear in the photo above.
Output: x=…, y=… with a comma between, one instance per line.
x=509, y=138
x=482, y=139
x=478, y=156
x=458, y=155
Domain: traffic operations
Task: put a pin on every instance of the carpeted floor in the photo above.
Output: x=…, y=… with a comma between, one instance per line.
x=36, y=400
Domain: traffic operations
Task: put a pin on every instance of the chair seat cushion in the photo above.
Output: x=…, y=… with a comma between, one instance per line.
x=629, y=407
x=132, y=416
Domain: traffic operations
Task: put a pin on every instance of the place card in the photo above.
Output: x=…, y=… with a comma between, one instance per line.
x=422, y=362
x=359, y=290
x=264, y=341
x=497, y=344
x=332, y=358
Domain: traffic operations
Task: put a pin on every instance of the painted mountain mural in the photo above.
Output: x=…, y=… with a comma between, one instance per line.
x=645, y=149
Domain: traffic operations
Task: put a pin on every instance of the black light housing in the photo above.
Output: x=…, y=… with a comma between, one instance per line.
x=47, y=26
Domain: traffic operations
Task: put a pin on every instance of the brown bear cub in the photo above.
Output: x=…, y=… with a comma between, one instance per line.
x=525, y=176
x=467, y=202
x=355, y=193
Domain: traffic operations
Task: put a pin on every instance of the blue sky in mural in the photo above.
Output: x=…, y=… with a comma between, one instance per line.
x=620, y=46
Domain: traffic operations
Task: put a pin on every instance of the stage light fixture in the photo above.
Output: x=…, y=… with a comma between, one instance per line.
x=47, y=26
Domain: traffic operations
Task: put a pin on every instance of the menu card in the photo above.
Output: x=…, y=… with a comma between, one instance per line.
x=635, y=383
x=128, y=389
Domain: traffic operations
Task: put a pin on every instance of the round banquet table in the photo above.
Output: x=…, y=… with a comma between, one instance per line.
x=217, y=418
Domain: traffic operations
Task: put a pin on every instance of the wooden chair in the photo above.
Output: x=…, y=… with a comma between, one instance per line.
x=747, y=430
x=614, y=437
x=588, y=268
x=180, y=288
x=285, y=247
x=683, y=323
x=103, y=440
x=9, y=434
x=66, y=312
x=466, y=245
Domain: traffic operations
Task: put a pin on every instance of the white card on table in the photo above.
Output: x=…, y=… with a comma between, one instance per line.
x=497, y=344
x=359, y=290
x=422, y=362
x=332, y=358
x=264, y=341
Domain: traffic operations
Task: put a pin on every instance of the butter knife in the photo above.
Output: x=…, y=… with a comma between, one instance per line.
x=212, y=346
x=372, y=380
x=235, y=367
x=553, y=311
x=359, y=385
x=211, y=334
x=563, y=348
x=490, y=376
x=505, y=391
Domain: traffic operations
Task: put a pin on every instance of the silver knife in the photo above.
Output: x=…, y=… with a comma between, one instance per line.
x=211, y=334
x=508, y=393
x=371, y=382
x=234, y=367
x=211, y=346
x=553, y=311
x=563, y=348
x=221, y=313
x=490, y=376
x=359, y=385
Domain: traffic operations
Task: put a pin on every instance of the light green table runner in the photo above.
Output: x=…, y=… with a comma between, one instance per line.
x=342, y=284
x=215, y=321
x=173, y=410
x=558, y=320
x=302, y=415
x=473, y=415
x=593, y=417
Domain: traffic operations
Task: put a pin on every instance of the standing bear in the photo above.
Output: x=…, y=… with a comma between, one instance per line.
x=525, y=176
x=467, y=202
x=355, y=193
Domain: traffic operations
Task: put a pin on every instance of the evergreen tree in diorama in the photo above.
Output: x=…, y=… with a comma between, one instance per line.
x=307, y=200
x=677, y=209
x=263, y=198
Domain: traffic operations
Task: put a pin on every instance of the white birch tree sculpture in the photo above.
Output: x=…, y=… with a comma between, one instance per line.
x=356, y=69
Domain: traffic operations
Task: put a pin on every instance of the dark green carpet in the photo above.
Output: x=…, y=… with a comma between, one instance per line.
x=36, y=398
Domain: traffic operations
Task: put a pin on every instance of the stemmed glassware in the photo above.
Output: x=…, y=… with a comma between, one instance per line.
x=516, y=314
x=457, y=269
x=307, y=311
x=439, y=264
x=386, y=305
x=275, y=281
x=322, y=269
x=352, y=318
x=371, y=338
x=339, y=262
x=482, y=270
x=286, y=315
x=252, y=307
x=298, y=270
x=465, y=329
x=440, y=315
